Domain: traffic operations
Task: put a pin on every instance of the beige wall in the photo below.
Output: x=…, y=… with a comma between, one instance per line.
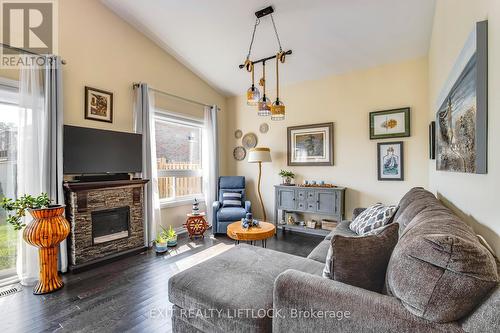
x=105, y=52
x=345, y=100
x=474, y=197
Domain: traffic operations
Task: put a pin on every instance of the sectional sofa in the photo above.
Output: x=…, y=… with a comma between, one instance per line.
x=439, y=278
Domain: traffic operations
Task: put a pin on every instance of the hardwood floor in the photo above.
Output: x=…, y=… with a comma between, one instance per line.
x=128, y=295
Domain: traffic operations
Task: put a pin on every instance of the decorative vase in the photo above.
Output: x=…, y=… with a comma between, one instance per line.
x=46, y=231
x=287, y=180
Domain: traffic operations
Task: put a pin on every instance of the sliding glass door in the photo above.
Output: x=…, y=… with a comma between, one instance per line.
x=9, y=114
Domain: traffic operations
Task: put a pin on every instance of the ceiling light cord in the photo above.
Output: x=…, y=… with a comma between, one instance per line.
x=257, y=21
x=276, y=32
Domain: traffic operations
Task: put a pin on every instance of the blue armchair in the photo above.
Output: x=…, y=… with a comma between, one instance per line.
x=223, y=216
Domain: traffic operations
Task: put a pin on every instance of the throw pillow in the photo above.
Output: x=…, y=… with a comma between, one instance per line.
x=372, y=218
x=231, y=199
x=361, y=261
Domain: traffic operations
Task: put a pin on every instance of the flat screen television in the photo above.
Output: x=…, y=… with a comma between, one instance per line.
x=95, y=151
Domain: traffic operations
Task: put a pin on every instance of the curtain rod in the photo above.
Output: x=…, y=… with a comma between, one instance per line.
x=26, y=51
x=136, y=85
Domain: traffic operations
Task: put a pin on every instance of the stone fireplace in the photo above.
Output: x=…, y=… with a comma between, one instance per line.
x=106, y=220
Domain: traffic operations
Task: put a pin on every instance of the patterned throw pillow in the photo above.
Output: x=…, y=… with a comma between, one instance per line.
x=372, y=218
x=231, y=199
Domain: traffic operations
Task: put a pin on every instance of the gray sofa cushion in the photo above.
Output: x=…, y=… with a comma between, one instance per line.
x=240, y=278
x=411, y=204
x=486, y=318
x=319, y=253
x=342, y=229
x=232, y=214
x=439, y=270
x=361, y=261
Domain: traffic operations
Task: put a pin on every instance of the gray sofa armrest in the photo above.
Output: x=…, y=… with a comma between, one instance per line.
x=311, y=303
x=248, y=206
x=357, y=211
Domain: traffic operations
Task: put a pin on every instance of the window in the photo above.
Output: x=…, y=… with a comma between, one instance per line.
x=9, y=114
x=179, y=158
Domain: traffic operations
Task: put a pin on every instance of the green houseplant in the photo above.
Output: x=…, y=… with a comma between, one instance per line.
x=17, y=208
x=164, y=239
x=287, y=176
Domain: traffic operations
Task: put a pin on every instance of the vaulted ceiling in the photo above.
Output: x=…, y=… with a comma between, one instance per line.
x=327, y=36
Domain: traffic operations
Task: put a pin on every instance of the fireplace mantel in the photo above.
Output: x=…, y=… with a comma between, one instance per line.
x=85, y=186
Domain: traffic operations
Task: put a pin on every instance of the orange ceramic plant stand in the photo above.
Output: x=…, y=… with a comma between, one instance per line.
x=46, y=231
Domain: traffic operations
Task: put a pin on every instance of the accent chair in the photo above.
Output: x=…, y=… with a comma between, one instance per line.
x=223, y=216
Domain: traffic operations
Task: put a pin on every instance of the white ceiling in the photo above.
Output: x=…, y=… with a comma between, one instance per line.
x=327, y=36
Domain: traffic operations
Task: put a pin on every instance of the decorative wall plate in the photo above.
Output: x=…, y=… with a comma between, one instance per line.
x=238, y=134
x=239, y=153
x=263, y=128
x=249, y=140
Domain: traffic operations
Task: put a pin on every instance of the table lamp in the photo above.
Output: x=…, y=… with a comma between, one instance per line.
x=260, y=155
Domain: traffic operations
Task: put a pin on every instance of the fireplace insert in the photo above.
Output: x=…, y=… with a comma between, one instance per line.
x=110, y=224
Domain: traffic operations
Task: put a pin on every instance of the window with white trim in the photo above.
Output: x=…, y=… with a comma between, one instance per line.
x=179, y=157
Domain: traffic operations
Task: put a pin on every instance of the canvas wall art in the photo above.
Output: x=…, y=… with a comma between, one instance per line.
x=98, y=105
x=310, y=144
x=390, y=160
x=390, y=123
x=461, y=118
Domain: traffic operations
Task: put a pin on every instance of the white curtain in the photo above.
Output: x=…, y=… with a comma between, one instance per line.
x=32, y=149
x=144, y=123
x=210, y=159
x=39, y=151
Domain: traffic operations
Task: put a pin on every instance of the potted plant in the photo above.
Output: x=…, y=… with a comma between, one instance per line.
x=47, y=229
x=287, y=176
x=171, y=236
x=160, y=243
x=164, y=239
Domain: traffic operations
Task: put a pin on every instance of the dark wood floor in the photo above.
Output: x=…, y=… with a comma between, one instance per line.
x=128, y=295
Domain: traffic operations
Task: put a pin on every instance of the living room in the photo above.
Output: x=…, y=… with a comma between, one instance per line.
x=139, y=155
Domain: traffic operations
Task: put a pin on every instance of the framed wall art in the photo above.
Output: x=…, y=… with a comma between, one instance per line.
x=390, y=160
x=390, y=123
x=462, y=109
x=98, y=105
x=432, y=140
x=310, y=144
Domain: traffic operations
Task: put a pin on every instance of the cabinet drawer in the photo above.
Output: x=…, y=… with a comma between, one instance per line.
x=301, y=205
x=312, y=206
x=311, y=195
x=301, y=195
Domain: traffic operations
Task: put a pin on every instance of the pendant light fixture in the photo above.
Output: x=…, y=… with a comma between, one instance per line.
x=253, y=93
x=277, y=109
x=264, y=102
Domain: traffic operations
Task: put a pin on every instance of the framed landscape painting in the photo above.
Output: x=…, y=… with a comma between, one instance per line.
x=390, y=160
x=462, y=109
x=390, y=124
x=310, y=144
x=98, y=105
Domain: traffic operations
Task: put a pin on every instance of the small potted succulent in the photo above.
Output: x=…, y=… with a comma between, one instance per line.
x=287, y=177
x=160, y=243
x=170, y=236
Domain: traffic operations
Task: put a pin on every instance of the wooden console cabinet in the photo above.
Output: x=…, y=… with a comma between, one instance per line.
x=327, y=201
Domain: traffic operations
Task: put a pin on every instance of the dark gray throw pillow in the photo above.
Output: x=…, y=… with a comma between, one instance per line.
x=361, y=261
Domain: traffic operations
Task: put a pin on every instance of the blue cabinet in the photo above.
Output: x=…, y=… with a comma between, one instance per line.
x=314, y=200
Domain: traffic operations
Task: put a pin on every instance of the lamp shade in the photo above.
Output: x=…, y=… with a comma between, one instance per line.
x=259, y=154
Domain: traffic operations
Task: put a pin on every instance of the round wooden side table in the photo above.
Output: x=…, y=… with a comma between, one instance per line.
x=262, y=232
x=196, y=225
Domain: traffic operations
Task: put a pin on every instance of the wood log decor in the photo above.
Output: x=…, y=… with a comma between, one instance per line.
x=46, y=231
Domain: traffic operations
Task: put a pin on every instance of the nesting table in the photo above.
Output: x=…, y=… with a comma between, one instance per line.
x=253, y=234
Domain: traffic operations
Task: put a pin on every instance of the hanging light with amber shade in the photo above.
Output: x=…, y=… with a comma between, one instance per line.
x=253, y=93
x=278, y=107
x=264, y=105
